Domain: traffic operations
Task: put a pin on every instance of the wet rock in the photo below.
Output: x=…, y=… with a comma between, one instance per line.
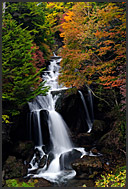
x=94, y=151
x=44, y=114
x=38, y=156
x=14, y=168
x=33, y=172
x=67, y=158
x=55, y=57
x=70, y=106
x=87, y=164
x=43, y=161
x=42, y=183
x=50, y=158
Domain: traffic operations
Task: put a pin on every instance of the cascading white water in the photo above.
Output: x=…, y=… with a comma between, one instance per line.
x=57, y=128
x=91, y=105
x=59, y=135
x=88, y=120
x=39, y=128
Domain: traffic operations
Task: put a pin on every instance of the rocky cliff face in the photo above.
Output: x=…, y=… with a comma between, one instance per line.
x=18, y=149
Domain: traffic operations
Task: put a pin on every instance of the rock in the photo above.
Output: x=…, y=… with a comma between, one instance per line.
x=3, y=181
x=7, y=144
x=85, y=139
x=19, y=131
x=98, y=128
x=70, y=106
x=24, y=150
x=80, y=182
x=50, y=158
x=103, y=141
x=68, y=157
x=59, y=50
x=94, y=151
x=95, y=173
x=42, y=183
x=87, y=176
x=14, y=168
x=87, y=164
x=44, y=115
x=33, y=172
x=37, y=153
x=55, y=57
x=43, y=161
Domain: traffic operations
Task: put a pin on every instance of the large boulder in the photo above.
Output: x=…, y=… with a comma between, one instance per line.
x=50, y=158
x=88, y=165
x=70, y=106
x=68, y=157
x=43, y=161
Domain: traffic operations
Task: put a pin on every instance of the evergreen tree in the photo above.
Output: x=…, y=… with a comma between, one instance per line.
x=32, y=17
x=20, y=80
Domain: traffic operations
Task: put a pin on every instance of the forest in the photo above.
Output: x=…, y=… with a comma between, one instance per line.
x=86, y=42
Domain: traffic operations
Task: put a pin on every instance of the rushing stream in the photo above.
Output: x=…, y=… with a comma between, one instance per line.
x=59, y=169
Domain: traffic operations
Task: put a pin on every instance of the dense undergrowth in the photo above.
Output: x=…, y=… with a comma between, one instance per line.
x=16, y=183
x=113, y=179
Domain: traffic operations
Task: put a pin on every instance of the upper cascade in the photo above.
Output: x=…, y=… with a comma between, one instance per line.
x=51, y=75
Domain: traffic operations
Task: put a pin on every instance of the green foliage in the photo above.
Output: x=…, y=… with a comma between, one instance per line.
x=71, y=91
x=32, y=16
x=5, y=119
x=15, y=183
x=20, y=80
x=121, y=127
x=113, y=180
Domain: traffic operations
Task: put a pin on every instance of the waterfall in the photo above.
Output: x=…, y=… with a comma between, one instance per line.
x=59, y=135
x=88, y=120
x=54, y=54
x=91, y=105
x=58, y=130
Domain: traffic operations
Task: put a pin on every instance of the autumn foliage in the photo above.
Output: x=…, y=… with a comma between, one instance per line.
x=94, y=51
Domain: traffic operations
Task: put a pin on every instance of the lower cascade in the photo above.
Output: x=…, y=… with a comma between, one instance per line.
x=88, y=119
x=56, y=161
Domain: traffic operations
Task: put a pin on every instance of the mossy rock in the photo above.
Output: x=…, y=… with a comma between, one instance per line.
x=87, y=164
x=14, y=168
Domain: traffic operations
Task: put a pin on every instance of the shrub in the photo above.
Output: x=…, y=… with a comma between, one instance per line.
x=15, y=183
x=113, y=180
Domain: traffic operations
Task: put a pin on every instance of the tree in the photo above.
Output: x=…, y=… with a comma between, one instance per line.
x=20, y=80
x=94, y=45
x=32, y=17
